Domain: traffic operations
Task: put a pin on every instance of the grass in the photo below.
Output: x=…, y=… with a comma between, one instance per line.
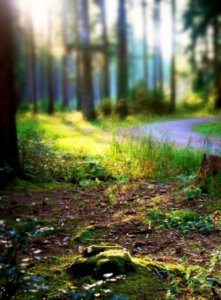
x=211, y=128
x=96, y=151
x=69, y=132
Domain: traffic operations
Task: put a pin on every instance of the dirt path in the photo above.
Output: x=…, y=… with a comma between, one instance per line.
x=180, y=132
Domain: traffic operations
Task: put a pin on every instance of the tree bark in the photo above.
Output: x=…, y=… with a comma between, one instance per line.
x=145, y=45
x=173, y=59
x=122, y=79
x=217, y=62
x=106, y=74
x=32, y=65
x=50, y=70
x=64, y=60
x=158, y=68
x=87, y=104
x=8, y=150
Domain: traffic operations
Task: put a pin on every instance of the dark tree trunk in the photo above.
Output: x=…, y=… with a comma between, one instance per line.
x=78, y=81
x=8, y=149
x=106, y=74
x=78, y=59
x=173, y=59
x=50, y=71
x=158, y=68
x=122, y=79
x=145, y=45
x=217, y=62
x=64, y=60
x=32, y=65
x=87, y=104
x=65, y=80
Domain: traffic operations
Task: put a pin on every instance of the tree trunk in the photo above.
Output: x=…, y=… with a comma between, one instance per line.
x=106, y=74
x=64, y=60
x=78, y=81
x=32, y=65
x=50, y=71
x=122, y=79
x=8, y=150
x=217, y=62
x=87, y=104
x=158, y=68
x=173, y=59
x=145, y=45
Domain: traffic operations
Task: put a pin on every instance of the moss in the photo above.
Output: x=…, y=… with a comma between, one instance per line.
x=55, y=278
x=87, y=233
x=141, y=285
x=100, y=261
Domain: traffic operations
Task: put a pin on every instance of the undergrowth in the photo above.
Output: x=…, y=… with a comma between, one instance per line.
x=125, y=158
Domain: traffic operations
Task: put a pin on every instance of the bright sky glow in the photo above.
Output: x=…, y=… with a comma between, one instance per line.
x=38, y=11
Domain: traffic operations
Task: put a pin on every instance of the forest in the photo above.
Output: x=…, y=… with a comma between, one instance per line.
x=110, y=149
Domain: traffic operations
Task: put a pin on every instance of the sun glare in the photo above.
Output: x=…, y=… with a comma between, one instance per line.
x=38, y=11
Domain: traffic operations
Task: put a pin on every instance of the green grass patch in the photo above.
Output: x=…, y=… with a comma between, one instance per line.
x=210, y=128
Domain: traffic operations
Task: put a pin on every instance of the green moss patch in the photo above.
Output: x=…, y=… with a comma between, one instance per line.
x=101, y=261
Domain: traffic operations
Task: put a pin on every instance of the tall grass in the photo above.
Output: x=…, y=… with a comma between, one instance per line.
x=148, y=158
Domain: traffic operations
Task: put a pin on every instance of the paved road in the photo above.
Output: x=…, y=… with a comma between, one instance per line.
x=180, y=132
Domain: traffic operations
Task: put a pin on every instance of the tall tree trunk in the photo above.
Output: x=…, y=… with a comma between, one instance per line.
x=173, y=59
x=8, y=149
x=145, y=45
x=32, y=65
x=78, y=80
x=158, y=68
x=64, y=59
x=50, y=70
x=78, y=58
x=87, y=104
x=122, y=79
x=106, y=74
x=217, y=62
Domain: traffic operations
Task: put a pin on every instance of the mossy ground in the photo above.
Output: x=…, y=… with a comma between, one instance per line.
x=79, y=217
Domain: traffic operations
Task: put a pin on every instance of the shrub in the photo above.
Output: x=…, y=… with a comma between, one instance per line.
x=122, y=110
x=106, y=107
x=149, y=101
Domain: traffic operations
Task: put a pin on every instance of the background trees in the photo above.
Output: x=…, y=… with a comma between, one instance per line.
x=107, y=54
x=199, y=18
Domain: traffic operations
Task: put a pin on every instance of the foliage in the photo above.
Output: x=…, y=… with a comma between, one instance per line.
x=122, y=109
x=148, y=101
x=186, y=220
x=106, y=107
x=15, y=259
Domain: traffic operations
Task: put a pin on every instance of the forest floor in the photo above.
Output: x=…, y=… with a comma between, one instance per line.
x=181, y=132
x=113, y=233
x=139, y=216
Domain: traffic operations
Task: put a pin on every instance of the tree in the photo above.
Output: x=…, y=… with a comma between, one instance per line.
x=122, y=79
x=50, y=68
x=65, y=58
x=106, y=74
x=173, y=58
x=145, y=45
x=158, y=68
x=8, y=150
x=32, y=64
x=198, y=17
x=87, y=104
